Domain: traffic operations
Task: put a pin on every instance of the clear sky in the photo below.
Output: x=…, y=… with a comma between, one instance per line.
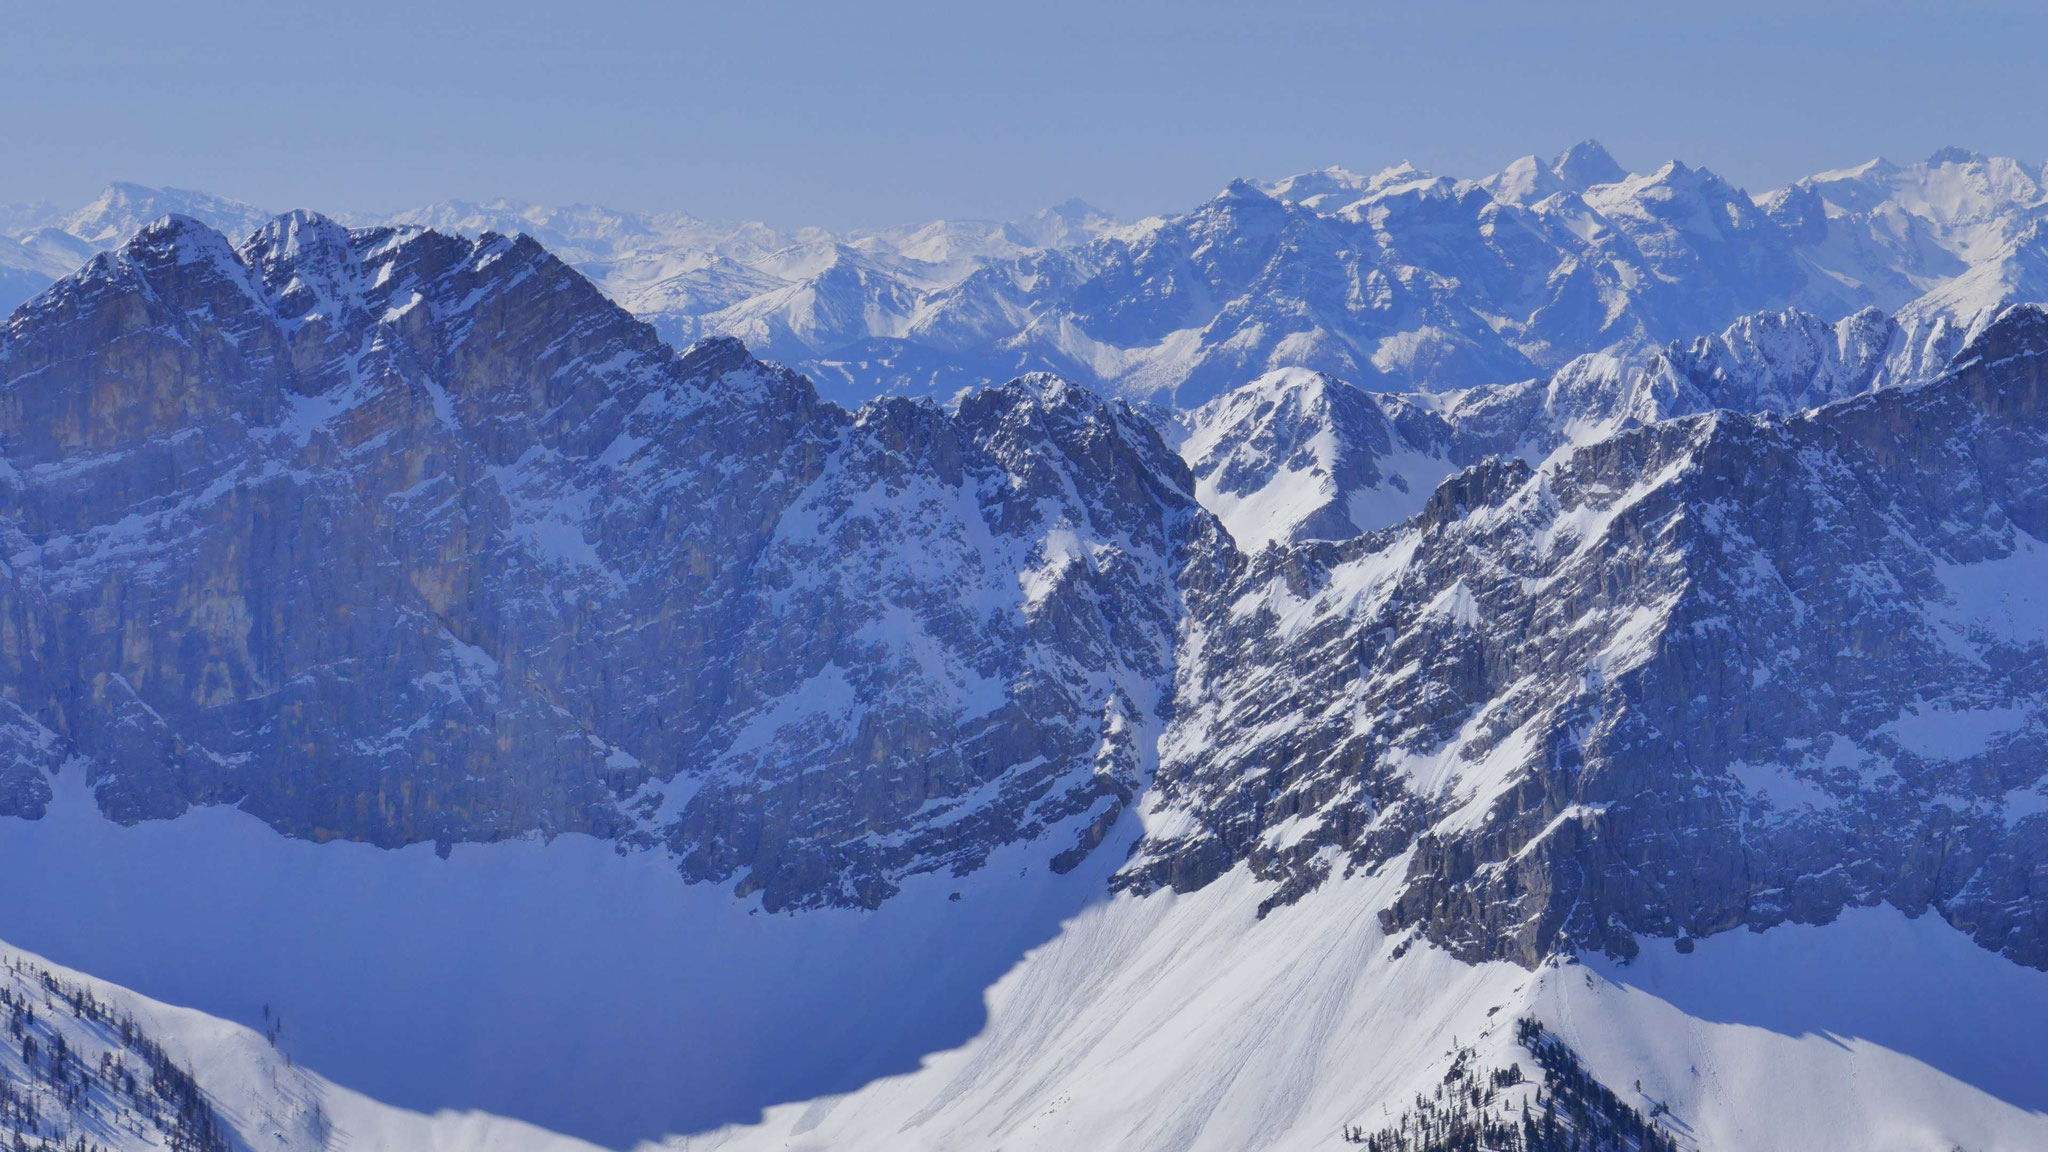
x=891, y=111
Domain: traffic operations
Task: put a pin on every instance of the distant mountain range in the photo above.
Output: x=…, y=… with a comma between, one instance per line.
x=1396, y=281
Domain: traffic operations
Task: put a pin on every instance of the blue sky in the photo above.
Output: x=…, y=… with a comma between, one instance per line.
x=890, y=111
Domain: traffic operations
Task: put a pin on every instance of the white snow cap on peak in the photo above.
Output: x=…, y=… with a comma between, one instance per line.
x=1586, y=164
x=1286, y=380
x=1242, y=189
x=1321, y=190
x=186, y=235
x=1403, y=173
x=1049, y=389
x=1523, y=181
x=298, y=230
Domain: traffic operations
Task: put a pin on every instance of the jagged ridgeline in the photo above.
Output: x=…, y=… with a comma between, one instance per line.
x=1400, y=279
x=1502, y=1110
x=78, y=1076
x=399, y=537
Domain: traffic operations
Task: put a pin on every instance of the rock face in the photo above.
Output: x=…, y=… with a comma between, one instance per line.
x=1717, y=671
x=398, y=537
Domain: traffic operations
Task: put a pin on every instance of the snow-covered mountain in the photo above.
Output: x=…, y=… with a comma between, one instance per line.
x=633, y=742
x=1403, y=280
x=1407, y=281
x=1708, y=672
x=1397, y=281
x=40, y=244
x=1298, y=455
x=774, y=289
x=669, y=268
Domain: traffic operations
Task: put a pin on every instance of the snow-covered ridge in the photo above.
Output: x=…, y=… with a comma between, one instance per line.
x=1298, y=455
x=88, y=1064
x=1175, y=1023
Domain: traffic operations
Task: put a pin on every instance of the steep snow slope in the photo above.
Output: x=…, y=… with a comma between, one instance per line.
x=1186, y=1023
x=611, y=1001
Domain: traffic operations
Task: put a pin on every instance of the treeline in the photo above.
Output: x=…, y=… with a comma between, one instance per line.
x=1493, y=1111
x=60, y=1100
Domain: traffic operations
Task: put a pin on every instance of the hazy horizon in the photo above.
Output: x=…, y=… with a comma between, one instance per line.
x=885, y=115
x=378, y=212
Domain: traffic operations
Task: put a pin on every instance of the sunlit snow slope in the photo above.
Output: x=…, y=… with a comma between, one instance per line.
x=1184, y=1023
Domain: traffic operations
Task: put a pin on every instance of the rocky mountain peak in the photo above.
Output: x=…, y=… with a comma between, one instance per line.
x=466, y=435
x=2017, y=335
x=1952, y=154
x=1300, y=455
x=299, y=235
x=186, y=239
x=1241, y=189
